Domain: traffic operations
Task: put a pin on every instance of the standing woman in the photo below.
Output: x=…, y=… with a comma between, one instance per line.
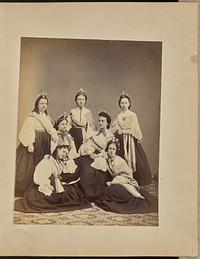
x=81, y=122
x=35, y=137
x=126, y=128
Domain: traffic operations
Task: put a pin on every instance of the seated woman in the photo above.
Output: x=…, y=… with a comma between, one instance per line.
x=95, y=145
x=55, y=187
x=63, y=135
x=92, y=180
x=122, y=194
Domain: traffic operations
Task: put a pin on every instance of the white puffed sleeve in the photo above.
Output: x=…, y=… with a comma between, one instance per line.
x=135, y=129
x=122, y=166
x=86, y=149
x=43, y=171
x=90, y=119
x=100, y=164
x=115, y=126
x=27, y=132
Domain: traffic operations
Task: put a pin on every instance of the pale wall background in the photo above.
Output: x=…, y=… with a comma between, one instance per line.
x=103, y=69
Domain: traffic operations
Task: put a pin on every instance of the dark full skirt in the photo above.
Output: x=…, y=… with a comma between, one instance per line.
x=34, y=201
x=93, y=181
x=77, y=135
x=143, y=172
x=26, y=161
x=117, y=199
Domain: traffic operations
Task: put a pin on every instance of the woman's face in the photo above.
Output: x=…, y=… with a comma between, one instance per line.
x=112, y=150
x=62, y=152
x=124, y=104
x=62, y=126
x=102, y=123
x=80, y=101
x=42, y=105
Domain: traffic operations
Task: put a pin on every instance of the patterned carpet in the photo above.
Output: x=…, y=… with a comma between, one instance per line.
x=91, y=217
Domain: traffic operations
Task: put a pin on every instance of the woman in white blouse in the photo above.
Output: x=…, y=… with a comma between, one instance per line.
x=35, y=136
x=55, y=185
x=92, y=180
x=81, y=122
x=127, y=129
x=122, y=194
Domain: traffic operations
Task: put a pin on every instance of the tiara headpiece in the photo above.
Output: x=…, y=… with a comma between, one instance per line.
x=81, y=91
x=43, y=95
x=102, y=111
x=125, y=95
x=116, y=141
x=61, y=117
x=64, y=116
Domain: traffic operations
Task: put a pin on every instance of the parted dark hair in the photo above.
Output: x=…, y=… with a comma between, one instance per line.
x=55, y=152
x=81, y=92
x=124, y=96
x=36, y=109
x=107, y=116
x=115, y=142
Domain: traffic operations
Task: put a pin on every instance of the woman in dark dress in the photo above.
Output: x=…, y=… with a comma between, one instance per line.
x=56, y=185
x=35, y=136
x=81, y=122
x=93, y=181
x=127, y=129
x=122, y=194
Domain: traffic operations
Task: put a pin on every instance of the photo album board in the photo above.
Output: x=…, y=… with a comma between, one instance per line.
x=99, y=127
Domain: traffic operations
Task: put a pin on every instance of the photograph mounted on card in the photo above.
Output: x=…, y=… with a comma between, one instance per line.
x=105, y=99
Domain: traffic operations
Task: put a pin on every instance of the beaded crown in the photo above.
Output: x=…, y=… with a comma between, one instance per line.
x=115, y=140
x=125, y=95
x=104, y=111
x=61, y=117
x=81, y=91
x=43, y=94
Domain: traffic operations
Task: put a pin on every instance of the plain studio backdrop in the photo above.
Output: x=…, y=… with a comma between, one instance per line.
x=103, y=69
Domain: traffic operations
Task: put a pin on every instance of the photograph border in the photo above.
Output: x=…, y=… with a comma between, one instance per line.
x=176, y=26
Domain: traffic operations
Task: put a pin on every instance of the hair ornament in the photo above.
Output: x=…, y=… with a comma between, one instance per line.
x=42, y=94
x=81, y=91
x=125, y=95
x=64, y=116
x=116, y=141
x=113, y=141
x=104, y=111
x=60, y=118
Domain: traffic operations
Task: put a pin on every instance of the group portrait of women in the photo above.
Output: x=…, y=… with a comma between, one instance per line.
x=73, y=162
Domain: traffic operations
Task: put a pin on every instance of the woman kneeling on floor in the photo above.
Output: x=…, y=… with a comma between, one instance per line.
x=56, y=185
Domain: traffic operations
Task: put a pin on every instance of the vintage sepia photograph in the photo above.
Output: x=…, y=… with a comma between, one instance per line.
x=88, y=132
x=99, y=129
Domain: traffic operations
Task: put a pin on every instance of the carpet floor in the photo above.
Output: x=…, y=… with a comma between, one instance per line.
x=94, y=216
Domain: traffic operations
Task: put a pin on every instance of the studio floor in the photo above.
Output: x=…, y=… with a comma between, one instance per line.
x=91, y=217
